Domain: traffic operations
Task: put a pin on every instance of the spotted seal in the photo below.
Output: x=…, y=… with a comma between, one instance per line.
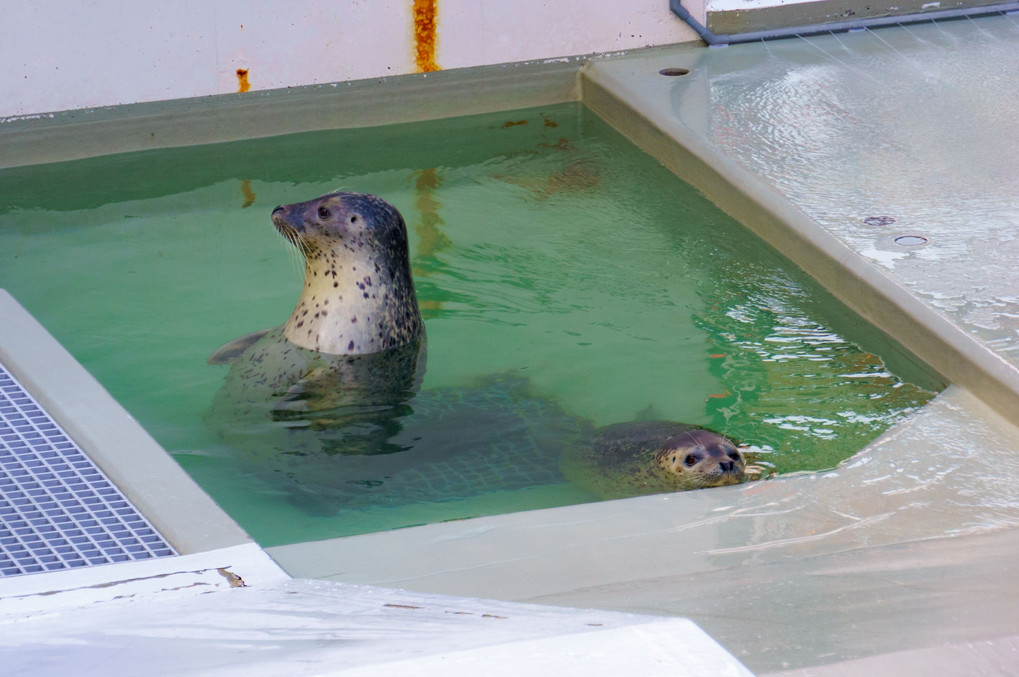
x=491, y=435
x=643, y=457
x=327, y=405
x=352, y=351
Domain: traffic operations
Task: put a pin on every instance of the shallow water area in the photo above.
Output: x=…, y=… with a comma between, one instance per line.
x=544, y=246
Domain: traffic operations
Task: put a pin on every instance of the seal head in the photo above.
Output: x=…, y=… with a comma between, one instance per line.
x=701, y=458
x=648, y=457
x=358, y=296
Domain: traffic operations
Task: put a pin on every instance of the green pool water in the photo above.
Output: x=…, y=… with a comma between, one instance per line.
x=544, y=246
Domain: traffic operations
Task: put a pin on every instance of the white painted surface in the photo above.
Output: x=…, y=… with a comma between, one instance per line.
x=201, y=573
x=233, y=612
x=64, y=55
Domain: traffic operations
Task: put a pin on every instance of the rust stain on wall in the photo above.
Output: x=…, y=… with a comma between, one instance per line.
x=425, y=33
x=242, y=80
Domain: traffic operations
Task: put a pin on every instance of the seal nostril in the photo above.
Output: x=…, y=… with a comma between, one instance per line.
x=727, y=466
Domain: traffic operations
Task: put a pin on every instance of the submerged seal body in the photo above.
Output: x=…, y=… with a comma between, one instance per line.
x=644, y=457
x=352, y=351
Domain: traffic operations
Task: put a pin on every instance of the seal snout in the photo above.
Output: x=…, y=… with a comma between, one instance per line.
x=279, y=216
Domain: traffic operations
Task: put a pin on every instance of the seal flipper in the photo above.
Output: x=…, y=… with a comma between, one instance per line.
x=231, y=350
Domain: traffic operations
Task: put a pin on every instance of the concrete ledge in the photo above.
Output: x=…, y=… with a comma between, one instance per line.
x=141, y=469
x=77, y=134
x=231, y=612
x=213, y=570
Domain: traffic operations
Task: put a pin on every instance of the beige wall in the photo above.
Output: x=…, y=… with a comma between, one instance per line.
x=68, y=55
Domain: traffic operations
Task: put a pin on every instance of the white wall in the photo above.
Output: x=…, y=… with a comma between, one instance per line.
x=66, y=54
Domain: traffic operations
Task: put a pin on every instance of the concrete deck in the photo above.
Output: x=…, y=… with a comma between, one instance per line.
x=234, y=612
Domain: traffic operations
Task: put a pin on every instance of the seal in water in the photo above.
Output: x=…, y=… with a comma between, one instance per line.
x=351, y=353
x=643, y=457
x=327, y=404
x=492, y=435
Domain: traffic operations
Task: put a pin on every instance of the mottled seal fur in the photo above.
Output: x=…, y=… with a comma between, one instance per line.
x=358, y=295
x=643, y=457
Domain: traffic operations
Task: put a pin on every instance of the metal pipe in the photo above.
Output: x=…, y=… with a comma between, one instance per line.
x=837, y=26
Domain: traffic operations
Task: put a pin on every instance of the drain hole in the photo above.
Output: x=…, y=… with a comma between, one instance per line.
x=673, y=72
x=910, y=240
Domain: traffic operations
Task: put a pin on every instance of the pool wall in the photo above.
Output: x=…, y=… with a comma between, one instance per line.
x=73, y=56
x=77, y=134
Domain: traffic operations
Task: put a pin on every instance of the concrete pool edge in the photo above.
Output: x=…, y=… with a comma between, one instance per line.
x=234, y=611
x=175, y=505
x=76, y=134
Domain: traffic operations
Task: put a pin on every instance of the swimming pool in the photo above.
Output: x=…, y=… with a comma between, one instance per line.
x=548, y=252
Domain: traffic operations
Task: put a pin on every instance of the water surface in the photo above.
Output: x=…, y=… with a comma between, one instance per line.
x=547, y=250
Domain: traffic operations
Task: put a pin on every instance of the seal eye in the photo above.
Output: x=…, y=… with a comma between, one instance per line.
x=323, y=213
x=690, y=460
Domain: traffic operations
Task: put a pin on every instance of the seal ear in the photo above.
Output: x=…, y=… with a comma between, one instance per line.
x=231, y=350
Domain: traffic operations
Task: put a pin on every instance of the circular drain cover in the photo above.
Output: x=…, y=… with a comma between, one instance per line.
x=910, y=240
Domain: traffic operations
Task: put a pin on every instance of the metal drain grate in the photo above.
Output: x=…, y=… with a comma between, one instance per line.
x=57, y=509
